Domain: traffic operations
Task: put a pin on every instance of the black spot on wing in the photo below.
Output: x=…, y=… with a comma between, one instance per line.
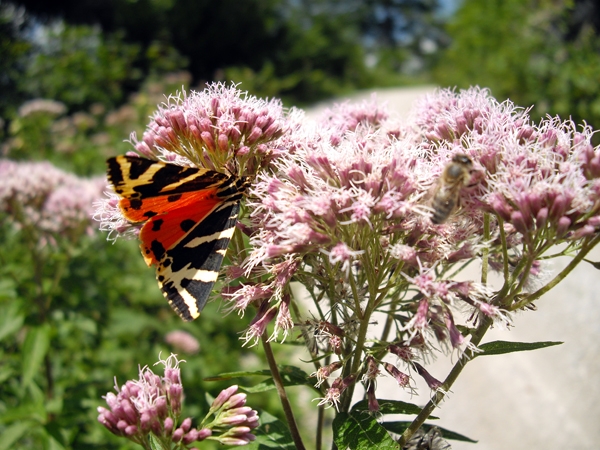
x=187, y=224
x=157, y=249
x=150, y=214
x=135, y=203
x=157, y=224
x=173, y=198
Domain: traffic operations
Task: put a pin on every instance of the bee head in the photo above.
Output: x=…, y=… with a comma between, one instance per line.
x=462, y=159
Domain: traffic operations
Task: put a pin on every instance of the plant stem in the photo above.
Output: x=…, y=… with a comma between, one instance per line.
x=448, y=382
x=285, y=402
x=486, y=250
x=558, y=278
x=320, y=422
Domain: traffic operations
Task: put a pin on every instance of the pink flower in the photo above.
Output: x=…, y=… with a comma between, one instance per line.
x=183, y=341
x=208, y=128
x=325, y=371
x=334, y=393
x=152, y=405
x=53, y=202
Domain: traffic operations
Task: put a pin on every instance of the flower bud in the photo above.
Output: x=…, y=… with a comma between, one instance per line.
x=432, y=382
x=563, y=226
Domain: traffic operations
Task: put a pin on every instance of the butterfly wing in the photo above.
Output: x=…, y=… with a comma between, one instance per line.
x=188, y=217
x=188, y=271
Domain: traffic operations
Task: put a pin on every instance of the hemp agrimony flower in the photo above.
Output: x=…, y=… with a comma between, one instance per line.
x=48, y=201
x=345, y=206
x=147, y=411
x=350, y=215
x=221, y=129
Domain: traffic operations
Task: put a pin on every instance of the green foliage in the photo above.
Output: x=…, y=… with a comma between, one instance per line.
x=272, y=433
x=13, y=49
x=319, y=56
x=400, y=427
x=73, y=317
x=501, y=347
x=525, y=51
x=390, y=407
x=81, y=142
x=79, y=66
x=75, y=314
x=291, y=376
x=361, y=431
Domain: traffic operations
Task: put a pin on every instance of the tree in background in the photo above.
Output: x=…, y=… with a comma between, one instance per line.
x=12, y=48
x=300, y=51
x=537, y=52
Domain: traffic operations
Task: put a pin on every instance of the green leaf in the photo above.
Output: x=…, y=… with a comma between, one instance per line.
x=390, y=407
x=240, y=374
x=400, y=427
x=54, y=436
x=360, y=431
x=10, y=320
x=272, y=433
x=292, y=376
x=501, y=347
x=596, y=265
x=28, y=412
x=6, y=373
x=35, y=348
x=7, y=289
x=157, y=444
x=13, y=433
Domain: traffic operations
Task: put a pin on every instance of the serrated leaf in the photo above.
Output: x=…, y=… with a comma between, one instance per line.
x=272, y=433
x=390, y=407
x=13, y=433
x=400, y=426
x=501, y=347
x=360, y=431
x=35, y=348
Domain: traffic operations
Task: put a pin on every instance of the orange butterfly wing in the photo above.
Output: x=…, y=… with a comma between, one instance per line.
x=188, y=217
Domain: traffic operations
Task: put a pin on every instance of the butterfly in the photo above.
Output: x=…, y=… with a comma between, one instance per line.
x=188, y=217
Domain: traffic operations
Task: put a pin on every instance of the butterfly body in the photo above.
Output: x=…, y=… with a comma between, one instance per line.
x=188, y=217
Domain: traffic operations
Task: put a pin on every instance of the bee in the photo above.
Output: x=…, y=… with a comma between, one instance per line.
x=455, y=176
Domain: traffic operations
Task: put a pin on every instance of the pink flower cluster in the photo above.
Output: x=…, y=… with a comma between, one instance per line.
x=220, y=128
x=210, y=127
x=152, y=405
x=348, y=213
x=542, y=179
x=55, y=203
x=343, y=205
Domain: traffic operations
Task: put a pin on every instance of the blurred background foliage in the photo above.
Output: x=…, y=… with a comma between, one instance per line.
x=78, y=76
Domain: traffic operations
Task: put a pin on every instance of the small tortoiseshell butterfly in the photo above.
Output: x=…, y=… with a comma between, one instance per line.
x=188, y=216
